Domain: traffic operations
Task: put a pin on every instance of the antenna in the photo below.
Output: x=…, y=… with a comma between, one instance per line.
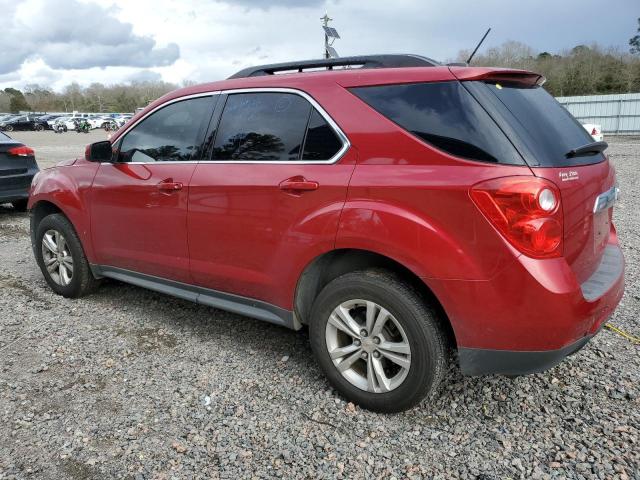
x=478, y=46
x=329, y=33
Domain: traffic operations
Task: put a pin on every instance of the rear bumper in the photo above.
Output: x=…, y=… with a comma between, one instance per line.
x=15, y=187
x=508, y=362
x=531, y=315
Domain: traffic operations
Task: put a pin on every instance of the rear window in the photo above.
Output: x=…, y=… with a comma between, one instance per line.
x=547, y=129
x=445, y=115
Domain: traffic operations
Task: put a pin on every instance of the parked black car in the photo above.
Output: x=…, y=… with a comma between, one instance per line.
x=23, y=122
x=17, y=168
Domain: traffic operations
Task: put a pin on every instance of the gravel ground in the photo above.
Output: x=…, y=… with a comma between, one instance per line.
x=128, y=383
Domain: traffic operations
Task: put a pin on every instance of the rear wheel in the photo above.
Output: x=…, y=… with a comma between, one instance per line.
x=377, y=341
x=39, y=128
x=61, y=258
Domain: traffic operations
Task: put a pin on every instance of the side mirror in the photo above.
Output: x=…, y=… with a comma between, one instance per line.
x=99, y=152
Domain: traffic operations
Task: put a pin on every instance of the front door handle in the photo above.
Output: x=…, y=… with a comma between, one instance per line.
x=298, y=184
x=169, y=186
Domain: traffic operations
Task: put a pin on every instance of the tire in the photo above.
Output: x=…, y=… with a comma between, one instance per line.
x=411, y=322
x=39, y=128
x=20, y=205
x=8, y=128
x=82, y=280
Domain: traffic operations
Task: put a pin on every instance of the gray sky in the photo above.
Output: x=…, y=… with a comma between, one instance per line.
x=55, y=42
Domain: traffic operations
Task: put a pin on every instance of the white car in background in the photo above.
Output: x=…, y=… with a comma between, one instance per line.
x=98, y=122
x=122, y=119
x=594, y=130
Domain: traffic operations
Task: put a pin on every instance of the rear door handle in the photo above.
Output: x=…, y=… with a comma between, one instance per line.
x=169, y=186
x=298, y=184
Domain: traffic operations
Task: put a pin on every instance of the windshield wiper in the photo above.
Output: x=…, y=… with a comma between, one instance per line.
x=588, y=149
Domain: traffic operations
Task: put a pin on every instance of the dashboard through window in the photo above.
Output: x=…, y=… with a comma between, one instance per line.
x=169, y=134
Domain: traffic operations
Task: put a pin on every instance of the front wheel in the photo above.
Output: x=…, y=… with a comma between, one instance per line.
x=39, y=128
x=377, y=341
x=61, y=258
x=8, y=128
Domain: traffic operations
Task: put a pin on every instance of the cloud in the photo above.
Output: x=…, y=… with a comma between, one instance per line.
x=144, y=76
x=75, y=35
x=267, y=4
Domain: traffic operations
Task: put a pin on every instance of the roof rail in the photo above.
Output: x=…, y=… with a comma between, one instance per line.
x=361, y=61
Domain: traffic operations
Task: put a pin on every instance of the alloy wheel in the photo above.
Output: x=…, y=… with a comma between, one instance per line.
x=368, y=346
x=57, y=257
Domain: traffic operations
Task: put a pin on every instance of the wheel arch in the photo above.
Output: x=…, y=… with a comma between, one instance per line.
x=330, y=265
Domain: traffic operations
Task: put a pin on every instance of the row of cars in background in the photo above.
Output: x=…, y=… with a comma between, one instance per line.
x=63, y=122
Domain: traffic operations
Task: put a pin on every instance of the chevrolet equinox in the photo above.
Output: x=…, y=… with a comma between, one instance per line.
x=402, y=209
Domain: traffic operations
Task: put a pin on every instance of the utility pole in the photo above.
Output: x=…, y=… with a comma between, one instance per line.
x=329, y=33
x=325, y=23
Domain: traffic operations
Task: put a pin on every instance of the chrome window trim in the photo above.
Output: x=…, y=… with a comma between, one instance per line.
x=341, y=135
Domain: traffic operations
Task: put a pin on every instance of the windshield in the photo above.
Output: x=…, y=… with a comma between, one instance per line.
x=547, y=130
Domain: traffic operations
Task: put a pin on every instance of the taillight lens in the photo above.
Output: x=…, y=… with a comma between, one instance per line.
x=526, y=211
x=22, y=151
x=594, y=131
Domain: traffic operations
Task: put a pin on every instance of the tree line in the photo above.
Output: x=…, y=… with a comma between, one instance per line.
x=582, y=70
x=124, y=97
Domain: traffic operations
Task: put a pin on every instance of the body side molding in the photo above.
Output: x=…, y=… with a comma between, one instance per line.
x=204, y=296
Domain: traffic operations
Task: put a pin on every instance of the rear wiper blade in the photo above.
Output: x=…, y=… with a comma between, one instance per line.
x=588, y=149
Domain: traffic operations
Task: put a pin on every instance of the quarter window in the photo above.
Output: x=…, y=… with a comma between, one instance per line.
x=169, y=134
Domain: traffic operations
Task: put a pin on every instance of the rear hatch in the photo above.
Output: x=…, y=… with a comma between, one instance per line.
x=548, y=136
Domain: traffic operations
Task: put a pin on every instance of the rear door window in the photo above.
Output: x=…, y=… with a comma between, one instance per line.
x=262, y=126
x=273, y=126
x=546, y=127
x=444, y=115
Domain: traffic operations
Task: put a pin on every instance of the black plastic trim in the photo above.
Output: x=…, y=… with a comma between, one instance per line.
x=205, y=296
x=475, y=361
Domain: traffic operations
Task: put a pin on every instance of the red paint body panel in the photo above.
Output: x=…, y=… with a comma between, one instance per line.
x=231, y=228
x=585, y=234
x=532, y=305
x=250, y=238
x=137, y=226
x=68, y=187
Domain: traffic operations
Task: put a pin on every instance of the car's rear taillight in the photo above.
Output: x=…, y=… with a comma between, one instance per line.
x=594, y=131
x=22, y=151
x=526, y=211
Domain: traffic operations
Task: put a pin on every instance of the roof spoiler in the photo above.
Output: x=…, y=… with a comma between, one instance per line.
x=506, y=76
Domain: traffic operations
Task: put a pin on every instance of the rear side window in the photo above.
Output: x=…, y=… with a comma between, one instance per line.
x=445, y=115
x=546, y=127
x=169, y=134
x=273, y=126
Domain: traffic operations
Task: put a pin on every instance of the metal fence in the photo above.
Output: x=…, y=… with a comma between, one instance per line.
x=618, y=114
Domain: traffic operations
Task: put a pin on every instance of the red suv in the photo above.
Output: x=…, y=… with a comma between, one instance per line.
x=400, y=208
